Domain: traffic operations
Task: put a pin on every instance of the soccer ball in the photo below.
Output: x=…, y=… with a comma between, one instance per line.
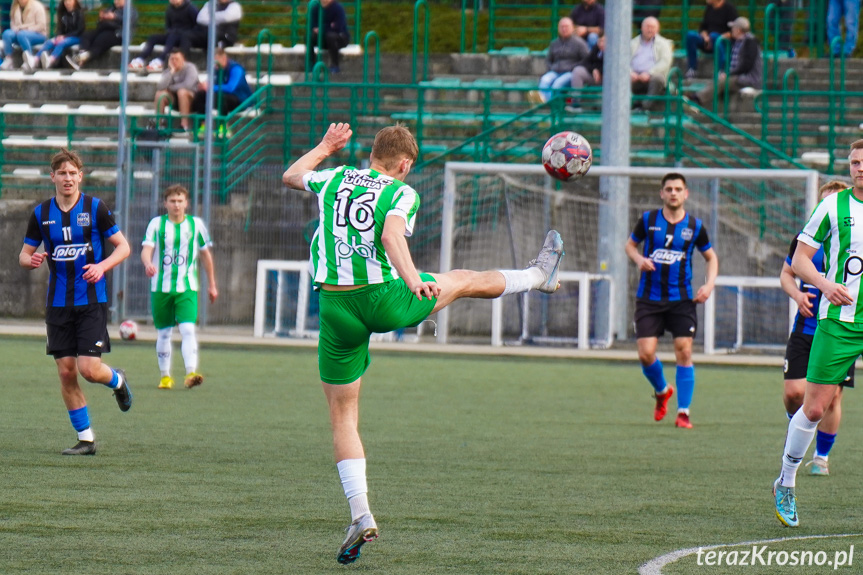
x=128, y=330
x=567, y=156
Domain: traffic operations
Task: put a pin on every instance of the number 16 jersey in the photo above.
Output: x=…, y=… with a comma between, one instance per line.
x=353, y=205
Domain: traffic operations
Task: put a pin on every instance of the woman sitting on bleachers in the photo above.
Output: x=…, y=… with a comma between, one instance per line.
x=28, y=25
x=70, y=26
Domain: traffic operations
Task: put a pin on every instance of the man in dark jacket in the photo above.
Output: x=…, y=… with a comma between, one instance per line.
x=563, y=54
x=335, y=32
x=746, y=68
x=714, y=25
x=588, y=72
x=180, y=19
x=589, y=20
x=108, y=33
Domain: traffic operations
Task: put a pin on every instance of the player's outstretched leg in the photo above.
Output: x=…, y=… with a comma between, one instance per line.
x=360, y=531
x=122, y=393
x=548, y=261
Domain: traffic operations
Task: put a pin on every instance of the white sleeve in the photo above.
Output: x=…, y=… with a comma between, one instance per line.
x=150, y=234
x=819, y=226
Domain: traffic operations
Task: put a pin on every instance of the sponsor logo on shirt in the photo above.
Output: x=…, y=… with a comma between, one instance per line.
x=353, y=178
x=654, y=229
x=848, y=221
x=853, y=267
x=70, y=252
x=49, y=223
x=663, y=256
x=345, y=250
x=173, y=258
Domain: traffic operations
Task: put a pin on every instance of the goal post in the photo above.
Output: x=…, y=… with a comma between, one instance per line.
x=494, y=216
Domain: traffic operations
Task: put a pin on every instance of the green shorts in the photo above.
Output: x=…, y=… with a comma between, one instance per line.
x=348, y=318
x=169, y=309
x=835, y=348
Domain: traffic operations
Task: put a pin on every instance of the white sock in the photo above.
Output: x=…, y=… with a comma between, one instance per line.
x=163, y=349
x=352, y=472
x=86, y=435
x=801, y=432
x=189, y=346
x=520, y=281
x=359, y=505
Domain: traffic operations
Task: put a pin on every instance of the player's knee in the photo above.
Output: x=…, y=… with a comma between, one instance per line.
x=67, y=373
x=793, y=399
x=814, y=411
x=647, y=357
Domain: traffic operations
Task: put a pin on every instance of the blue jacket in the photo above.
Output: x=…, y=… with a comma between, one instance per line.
x=232, y=80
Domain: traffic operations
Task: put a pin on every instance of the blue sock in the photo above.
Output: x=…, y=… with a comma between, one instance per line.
x=654, y=375
x=115, y=380
x=685, y=386
x=824, y=443
x=80, y=418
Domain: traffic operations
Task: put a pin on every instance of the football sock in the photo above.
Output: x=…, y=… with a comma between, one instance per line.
x=352, y=472
x=520, y=281
x=685, y=386
x=655, y=376
x=824, y=443
x=189, y=346
x=163, y=349
x=80, y=418
x=789, y=415
x=116, y=380
x=800, y=434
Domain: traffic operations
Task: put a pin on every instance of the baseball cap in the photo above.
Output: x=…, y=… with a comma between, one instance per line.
x=741, y=22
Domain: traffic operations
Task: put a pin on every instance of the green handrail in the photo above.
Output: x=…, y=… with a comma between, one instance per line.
x=771, y=10
x=462, y=39
x=371, y=35
x=264, y=37
x=722, y=45
x=790, y=74
x=309, y=27
x=425, y=6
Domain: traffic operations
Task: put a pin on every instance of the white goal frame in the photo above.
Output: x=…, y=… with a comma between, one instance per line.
x=282, y=267
x=741, y=282
x=452, y=169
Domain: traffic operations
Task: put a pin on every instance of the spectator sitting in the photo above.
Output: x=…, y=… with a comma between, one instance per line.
x=588, y=72
x=563, y=54
x=70, y=27
x=228, y=16
x=835, y=10
x=28, y=25
x=180, y=19
x=177, y=87
x=714, y=25
x=230, y=83
x=336, y=35
x=589, y=20
x=746, y=64
x=108, y=33
x=651, y=62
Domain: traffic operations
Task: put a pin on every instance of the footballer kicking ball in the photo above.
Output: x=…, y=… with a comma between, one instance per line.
x=567, y=156
x=128, y=330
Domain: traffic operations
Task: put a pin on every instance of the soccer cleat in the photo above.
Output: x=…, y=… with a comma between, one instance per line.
x=123, y=394
x=193, y=380
x=167, y=382
x=683, y=421
x=662, y=403
x=360, y=531
x=818, y=466
x=786, y=504
x=81, y=448
x=548, y=261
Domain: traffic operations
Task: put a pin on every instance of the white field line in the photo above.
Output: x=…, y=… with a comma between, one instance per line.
x=654, y=566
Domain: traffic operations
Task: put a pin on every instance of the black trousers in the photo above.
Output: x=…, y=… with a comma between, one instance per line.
x=333, y=42
x=97, y=42
x=229, y=102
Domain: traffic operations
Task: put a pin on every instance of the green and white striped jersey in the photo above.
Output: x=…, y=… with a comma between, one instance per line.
x=353, y=204
x=837, y=224
x=176, y=252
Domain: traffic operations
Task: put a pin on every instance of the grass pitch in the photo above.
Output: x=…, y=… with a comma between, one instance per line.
x=475, y=465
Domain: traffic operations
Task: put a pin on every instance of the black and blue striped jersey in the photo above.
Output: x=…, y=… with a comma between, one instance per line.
x=670, y=246
x=72, y=240
x=807, y=325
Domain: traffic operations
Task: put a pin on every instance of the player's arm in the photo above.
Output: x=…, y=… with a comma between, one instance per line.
x=642, y=263
x=207, y=262
x=28, y=258
x=712, y=261
x=334, y=140
x=788, y=281
x=396, y=246
x=802, y=266
x=147, y=260
x=95, y=272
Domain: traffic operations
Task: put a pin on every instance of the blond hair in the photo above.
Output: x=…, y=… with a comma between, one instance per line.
x=392, y=144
